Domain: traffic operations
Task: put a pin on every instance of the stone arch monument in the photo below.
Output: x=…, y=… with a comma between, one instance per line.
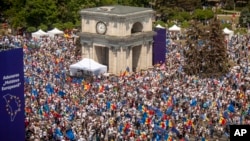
x=118, y=36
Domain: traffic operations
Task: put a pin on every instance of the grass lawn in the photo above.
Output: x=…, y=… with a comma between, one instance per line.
x=228, y=17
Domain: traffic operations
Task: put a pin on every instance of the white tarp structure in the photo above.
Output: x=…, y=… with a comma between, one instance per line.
x=87, y=66
x=39, y=34
x=54, y=32
x=174, y=28
x=159, y=26
x=228, y=32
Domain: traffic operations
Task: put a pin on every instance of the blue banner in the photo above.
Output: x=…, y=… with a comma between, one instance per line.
x=159, y=46
x=12, y=118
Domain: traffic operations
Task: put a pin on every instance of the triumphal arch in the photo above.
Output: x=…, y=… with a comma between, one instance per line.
x=118, y=36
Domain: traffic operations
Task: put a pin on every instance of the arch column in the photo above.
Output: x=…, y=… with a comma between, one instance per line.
x=113, y=60
x=87, y=49
x=129, y=57
x=149, y=54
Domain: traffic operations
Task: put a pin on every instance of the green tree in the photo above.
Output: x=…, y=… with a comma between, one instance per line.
x=58, y=25
x=186, y=15
x=188, y=5
x=142, y=3
x=26, y=13
x=31, y=29
x=201, y=14
x=230, y=5
x=185, y=24
x=244, y=19
x=68, y=25
x=108, y=2
x=14, y=12
x=41, y=12
x=192, y=54
x=206, y=53
x=160, y=23
x=215, y=59
x=43, y=27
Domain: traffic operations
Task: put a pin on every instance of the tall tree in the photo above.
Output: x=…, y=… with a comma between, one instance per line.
x=14, y=12
x=206, y=52
x=192, y=54
x=216, y=61
x=40, y=12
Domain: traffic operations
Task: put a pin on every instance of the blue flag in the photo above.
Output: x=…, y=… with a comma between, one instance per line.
x=140, y=108
x=61, y=93
x=38, y=70
x=158, y=137
x=225, y=115
x=108, y=104
x=34, y=92
x=231, y=108
x=193, y=102
x=169, y=110
x=166, y=137
x=175, y=131
x=164, y=96
x=158, y=113
x=121, y=126
x=26, y=80
x=58, y=133
x=49, y=89
x=70, y=135
x=71, y=117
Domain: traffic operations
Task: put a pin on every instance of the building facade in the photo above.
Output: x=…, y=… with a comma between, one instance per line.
x=118, y=36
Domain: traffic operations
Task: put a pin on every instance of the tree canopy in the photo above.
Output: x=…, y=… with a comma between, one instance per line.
x=47, y=14
x=206, y=52
x=63, y=14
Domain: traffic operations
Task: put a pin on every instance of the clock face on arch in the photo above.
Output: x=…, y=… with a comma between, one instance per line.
x=101, y=28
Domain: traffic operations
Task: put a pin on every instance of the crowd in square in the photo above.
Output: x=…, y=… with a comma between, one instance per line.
x=161, y=103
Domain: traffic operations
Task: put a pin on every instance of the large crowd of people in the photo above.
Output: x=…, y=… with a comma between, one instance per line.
x=161, y=103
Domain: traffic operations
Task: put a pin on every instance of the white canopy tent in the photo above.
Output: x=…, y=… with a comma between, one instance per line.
x=87, y=66
x=159, y=26
x=228, y=32
x=174, y=28
x=39, y=34
x=54, y=32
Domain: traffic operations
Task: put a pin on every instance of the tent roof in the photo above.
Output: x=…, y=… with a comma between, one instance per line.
x=159, y=26
x=36, y=33
x=174, y=28
x=227, y=31
x=55, y=31
x=42, y=32
x=87, y=64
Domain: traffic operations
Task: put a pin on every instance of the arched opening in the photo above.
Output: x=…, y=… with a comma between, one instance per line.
x=102, y=55
x=137, y=27
x=136, y=53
